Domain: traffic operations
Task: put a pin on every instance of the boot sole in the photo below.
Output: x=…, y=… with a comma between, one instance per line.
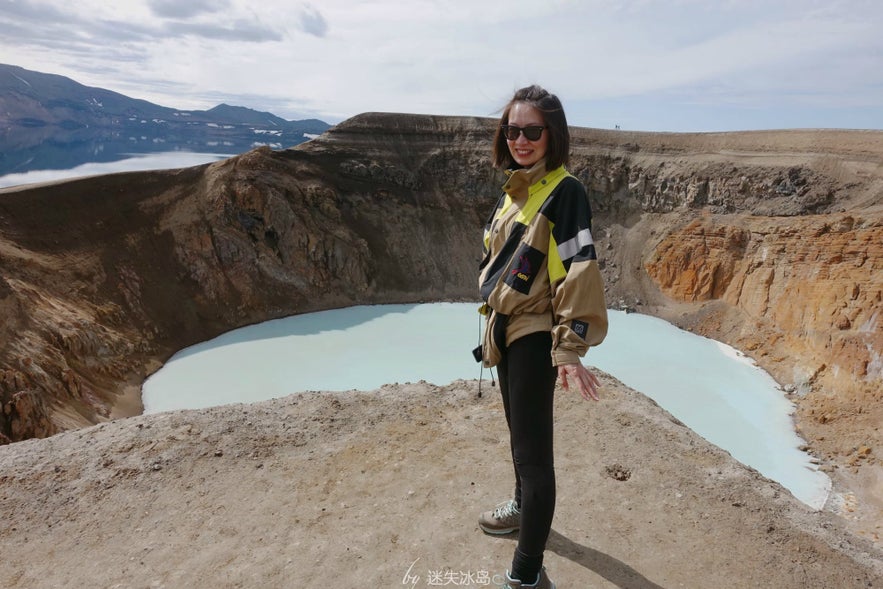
x=498, y=531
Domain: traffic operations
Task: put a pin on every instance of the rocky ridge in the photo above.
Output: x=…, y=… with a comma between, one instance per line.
x=769, y=241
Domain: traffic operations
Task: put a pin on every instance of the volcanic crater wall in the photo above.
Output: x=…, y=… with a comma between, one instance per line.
x=767, y=240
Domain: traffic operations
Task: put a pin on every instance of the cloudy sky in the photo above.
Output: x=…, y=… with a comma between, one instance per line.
x=653, y=65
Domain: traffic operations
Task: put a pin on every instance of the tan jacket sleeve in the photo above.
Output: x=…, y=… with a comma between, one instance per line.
x=580, y=313
x=578, y=305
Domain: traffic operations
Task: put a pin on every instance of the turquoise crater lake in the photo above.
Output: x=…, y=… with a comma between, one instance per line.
x=712, y=388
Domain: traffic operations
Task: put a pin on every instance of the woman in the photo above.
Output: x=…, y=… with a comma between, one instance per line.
x=544, y=301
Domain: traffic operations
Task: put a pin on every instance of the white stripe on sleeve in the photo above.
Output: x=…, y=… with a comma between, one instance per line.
x=571, y=247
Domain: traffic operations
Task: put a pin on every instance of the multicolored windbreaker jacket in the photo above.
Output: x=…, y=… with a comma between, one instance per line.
x=540, y=269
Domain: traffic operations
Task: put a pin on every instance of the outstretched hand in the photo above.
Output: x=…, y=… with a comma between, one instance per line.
x=587, y=383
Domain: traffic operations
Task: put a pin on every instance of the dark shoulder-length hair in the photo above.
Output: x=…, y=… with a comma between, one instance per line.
x=558, y=151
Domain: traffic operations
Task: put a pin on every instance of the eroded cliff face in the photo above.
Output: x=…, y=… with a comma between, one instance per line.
x=102, y=279
x=777, y=251
x=770, y=241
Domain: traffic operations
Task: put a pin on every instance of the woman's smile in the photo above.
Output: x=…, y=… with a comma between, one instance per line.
x=525, y=152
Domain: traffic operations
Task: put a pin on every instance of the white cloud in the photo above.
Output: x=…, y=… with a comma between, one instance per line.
x=339, y=58
x=189, y=9
x=312, y=22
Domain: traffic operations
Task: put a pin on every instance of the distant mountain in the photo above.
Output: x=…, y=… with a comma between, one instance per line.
x=46, y=118
x=247, y=116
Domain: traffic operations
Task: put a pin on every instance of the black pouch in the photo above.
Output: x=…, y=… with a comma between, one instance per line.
x=477, y=354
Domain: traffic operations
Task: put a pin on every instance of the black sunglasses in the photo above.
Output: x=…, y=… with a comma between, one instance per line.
x=531, y=133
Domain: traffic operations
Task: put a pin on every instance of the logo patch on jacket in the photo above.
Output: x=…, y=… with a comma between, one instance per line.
x=579, y=328
x=525, y=265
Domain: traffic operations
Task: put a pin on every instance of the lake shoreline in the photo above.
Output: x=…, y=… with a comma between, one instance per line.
x=731, y=402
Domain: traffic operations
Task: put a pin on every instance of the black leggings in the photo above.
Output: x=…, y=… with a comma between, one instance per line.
x=527, y=383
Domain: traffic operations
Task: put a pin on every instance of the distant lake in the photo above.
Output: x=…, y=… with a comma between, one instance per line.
x=27, y=157
x=131, y=162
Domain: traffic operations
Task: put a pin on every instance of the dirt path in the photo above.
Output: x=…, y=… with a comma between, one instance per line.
x=383, y=488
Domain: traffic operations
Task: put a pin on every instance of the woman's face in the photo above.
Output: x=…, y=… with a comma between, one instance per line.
x=525, y=152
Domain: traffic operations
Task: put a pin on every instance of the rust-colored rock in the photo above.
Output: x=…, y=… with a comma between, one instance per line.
x=28, y=416
x=816, y=283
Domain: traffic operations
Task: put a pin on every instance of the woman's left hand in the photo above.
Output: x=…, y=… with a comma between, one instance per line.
x=587, y=382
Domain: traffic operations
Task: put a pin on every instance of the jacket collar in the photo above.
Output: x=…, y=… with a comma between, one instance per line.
x=520, y=180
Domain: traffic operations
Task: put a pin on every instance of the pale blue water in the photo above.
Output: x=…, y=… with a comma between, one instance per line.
x=137, y=162
x=712, y=388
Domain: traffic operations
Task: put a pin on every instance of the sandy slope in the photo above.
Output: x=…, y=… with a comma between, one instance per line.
x=352, y=489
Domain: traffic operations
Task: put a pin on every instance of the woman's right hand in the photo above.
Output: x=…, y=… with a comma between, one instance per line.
x=587, y=383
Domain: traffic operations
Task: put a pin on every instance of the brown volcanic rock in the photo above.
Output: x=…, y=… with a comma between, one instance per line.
x=808, y=298
x=816, y=282
x=769, y=241
x=698, y=263
x=104, y=278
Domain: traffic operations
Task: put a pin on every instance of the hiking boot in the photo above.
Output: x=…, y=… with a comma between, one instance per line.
x=543, y=582
x=503, y=519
